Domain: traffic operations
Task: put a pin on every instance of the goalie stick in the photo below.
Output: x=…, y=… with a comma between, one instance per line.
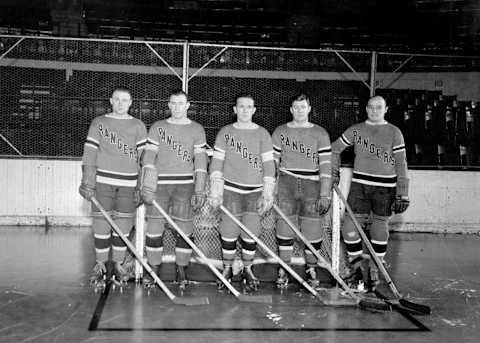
x=158, y=281
x=361, y=302
x=204, y=259
x=399, y=300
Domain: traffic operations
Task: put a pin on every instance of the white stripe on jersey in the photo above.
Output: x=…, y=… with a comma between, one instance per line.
x=242, y=191
x=305, y=177
x=267, y=156
x=375, y=175
x=373, y=183
x=198, y=150
x=219, y=155
x=116, y=182
x=90, y=145
x=117, y=173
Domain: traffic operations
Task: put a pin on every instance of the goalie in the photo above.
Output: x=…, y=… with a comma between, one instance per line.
x=379, y=185
x=242, y=178
x=174, y=173
x=302, y=152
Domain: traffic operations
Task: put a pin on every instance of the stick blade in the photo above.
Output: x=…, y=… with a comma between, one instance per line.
x=255, y=298
x=415, y=308
x=375, y=305
x=191, y=301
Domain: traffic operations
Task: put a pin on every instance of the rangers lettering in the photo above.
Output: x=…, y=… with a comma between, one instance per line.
x=112, y=138
x=364, y=142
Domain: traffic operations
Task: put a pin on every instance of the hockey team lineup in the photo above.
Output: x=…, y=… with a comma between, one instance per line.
x=291, y=175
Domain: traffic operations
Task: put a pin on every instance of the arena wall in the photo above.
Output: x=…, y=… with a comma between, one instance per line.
x=44, y=192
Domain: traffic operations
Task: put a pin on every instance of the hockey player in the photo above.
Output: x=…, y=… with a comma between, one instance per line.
x=174, y=173
x=242, y=178
x=379, y=184
x=110, y=172
x=302, y=151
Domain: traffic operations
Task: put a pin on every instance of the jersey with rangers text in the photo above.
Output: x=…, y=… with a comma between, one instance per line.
x=176, y=150
x=244, y=156
x=379, y=154
x=303, y=152
x=113, y=145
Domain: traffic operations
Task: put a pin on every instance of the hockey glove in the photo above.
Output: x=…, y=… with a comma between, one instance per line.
x=215, y=196
x=199, y=195
x=198, y=200
x=266, y=200
x=148, y=184
x=87, y=186
x=322, y=205
x=400, y=204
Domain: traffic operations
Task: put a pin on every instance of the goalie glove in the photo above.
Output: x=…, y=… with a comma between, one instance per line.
x=148, y=183
x=400, y=204
x=266, y=200
x=87, y=185
x=215, y=196
x=199, y=196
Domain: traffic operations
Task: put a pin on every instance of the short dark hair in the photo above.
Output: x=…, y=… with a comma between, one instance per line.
x=300, y=97
x=177, y=92
x=244, y=95
x=122, y=89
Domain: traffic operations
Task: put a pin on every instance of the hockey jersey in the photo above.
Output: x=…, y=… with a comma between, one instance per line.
x=113, y=145
x=244, y=156
x=176, y=150
x=380, y=158
x=303, y=152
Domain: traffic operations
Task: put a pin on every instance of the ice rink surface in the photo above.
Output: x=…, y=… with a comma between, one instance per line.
x=45, y=297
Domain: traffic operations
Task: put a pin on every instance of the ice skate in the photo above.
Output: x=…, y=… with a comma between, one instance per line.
x=227, y=274
x=312, y=277
x=249, y=280
x=98, y=278
x=181, y=278
x=147, y=281
x=282, y=279
x=353, y=275
x=373, y=276
x=120, y=276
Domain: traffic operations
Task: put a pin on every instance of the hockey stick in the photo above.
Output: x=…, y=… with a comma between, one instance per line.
x=271, y=253
x=170, y=295
x=414, y=307
x=362, y=303
x=204, y=259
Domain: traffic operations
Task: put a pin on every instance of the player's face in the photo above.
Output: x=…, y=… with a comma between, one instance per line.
x=300, y=111
x=376, y=109
x=121, y=102
x=244, y=109
x=178, y=105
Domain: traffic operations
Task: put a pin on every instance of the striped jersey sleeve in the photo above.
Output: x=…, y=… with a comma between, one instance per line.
x=277, y=145
x=218, y=158
x=92, y=144
x=199, y=150
x=401, y=168
x=324, y=154
x=267, y=153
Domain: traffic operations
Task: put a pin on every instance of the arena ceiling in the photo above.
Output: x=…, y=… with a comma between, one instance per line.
x=413, y=25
